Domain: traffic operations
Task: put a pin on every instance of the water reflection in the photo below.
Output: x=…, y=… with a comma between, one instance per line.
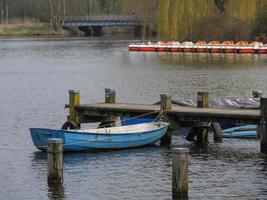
x=204, y=60
x=38, y=73
x=56, y=191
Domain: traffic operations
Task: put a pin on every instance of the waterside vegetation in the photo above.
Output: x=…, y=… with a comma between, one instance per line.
x=168, y=19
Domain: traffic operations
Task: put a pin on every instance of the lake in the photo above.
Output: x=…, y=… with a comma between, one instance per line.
x=35, y=76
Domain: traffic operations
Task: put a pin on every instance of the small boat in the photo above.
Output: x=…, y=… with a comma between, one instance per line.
x=247, y=131
x=102, y=138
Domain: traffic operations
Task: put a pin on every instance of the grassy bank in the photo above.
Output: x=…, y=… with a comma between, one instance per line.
x=33, y=29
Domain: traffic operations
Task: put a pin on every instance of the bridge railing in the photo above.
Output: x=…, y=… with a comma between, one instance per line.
x=103, y=18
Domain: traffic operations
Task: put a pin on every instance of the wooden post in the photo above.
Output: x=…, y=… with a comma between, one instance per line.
x=74, y=100
x=110, y=96
x=166, y=104
x=201, y=128
x=179, y=172
x=55, y=161
x=217, y=131
x=203, y=99
x=263, y=120
x=257, y=94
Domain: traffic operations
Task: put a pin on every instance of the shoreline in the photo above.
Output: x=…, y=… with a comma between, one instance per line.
x=34, y=30
x=45, y=30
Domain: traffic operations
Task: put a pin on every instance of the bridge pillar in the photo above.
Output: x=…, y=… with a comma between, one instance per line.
x=137, y=31
x=97, y=31
x=86, y=29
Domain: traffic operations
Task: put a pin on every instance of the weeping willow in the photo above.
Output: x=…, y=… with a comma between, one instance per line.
x=242, y=9
x=176, y=18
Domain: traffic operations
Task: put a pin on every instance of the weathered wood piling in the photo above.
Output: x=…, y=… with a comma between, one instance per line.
x=55, y=161
x=179, y=172
x=263, y=125
x=166, y=104
x=73, y=119
x=110, y=96
x=202, y=128
x=257, y=94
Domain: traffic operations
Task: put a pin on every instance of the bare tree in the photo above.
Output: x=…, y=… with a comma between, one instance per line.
x=1, y=12
x=6, y=2
x=88, y=7
x=56, y=13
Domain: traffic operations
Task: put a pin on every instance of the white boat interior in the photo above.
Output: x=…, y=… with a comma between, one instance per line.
x=137, y=128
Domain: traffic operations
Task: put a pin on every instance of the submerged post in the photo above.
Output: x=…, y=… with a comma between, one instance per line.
x=179, y=172
x=55, y=161
x=263, y=120
x=166, y=104
x=257, y=94
x=110, y=96
x=74, y=100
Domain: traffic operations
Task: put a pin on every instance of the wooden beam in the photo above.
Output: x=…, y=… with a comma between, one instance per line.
x=188, y=114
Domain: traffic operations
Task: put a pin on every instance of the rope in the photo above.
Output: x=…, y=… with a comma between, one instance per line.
x=159, y=115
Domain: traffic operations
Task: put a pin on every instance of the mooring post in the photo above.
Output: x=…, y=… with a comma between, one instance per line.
x=110, y=96
x=179, y=173
x=166, y=104
x=203, y=99
x=217, y=131
x=201, y=128
x=263, y=121
x=257, y=94
x=74, y=100
x=55, y=161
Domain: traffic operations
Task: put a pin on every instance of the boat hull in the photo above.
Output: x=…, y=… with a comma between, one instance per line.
x=247, y=51
x=262, y=51
x=247, y=131
x=82, y=141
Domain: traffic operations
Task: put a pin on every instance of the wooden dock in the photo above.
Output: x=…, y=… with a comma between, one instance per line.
x=180, y=113
x=198, y=117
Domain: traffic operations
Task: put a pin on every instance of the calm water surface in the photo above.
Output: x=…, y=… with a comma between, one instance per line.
x=35, y=76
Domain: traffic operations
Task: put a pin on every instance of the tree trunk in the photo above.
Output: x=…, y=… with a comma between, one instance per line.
x=24, y=11
x=58, y=19
x=6, y=11
x=51, y=12
x=64, y=8
x=38, y=12
x=1, y=12
x=52, y=17
x=88, y=7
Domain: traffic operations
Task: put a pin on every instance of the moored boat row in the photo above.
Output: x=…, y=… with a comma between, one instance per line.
x=242, y=47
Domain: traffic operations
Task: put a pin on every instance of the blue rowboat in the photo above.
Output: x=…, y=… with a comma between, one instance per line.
x=247, y=131
x=125, y=121
x=102, y=138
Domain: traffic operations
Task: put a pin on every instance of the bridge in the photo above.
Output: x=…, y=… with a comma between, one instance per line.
x=93, y=24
